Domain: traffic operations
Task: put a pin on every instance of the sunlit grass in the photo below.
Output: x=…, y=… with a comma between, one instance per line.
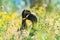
x=47, y=28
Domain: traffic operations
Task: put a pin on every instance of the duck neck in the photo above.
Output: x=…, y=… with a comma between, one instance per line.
x=23, y=24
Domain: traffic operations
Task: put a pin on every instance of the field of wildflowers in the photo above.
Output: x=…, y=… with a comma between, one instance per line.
x=48, y=25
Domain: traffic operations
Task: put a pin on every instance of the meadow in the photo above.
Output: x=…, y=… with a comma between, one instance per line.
x=48, y=25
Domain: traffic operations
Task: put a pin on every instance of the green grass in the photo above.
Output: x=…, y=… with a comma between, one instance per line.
x=47, y=27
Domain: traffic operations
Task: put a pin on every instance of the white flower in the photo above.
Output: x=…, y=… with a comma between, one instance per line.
x=25, y=33
x=56, y=31
x=45, y=5
x=58, y=6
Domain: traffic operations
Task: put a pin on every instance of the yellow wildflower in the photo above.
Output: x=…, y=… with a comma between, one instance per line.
x=1, y=38
x=42, y=10
x=51, y=21
x=14, y=15
x=1, y=21
x=2, y=13
x=7, y=17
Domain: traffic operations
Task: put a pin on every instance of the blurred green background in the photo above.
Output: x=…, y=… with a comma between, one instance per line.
x=47, y=12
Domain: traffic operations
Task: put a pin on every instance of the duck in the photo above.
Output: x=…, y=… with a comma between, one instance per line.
x=27, y=15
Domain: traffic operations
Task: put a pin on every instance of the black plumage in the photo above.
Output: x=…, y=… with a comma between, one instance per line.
x=26, y=14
